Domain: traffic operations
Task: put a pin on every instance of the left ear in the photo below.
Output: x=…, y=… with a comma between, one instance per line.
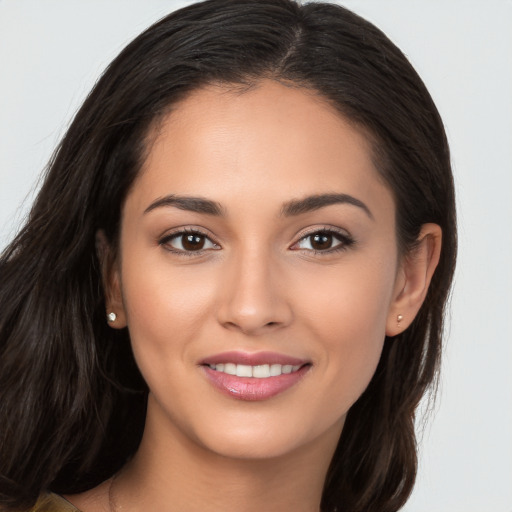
x=413, y=279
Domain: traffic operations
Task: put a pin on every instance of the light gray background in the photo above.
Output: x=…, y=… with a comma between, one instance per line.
x=52, y=51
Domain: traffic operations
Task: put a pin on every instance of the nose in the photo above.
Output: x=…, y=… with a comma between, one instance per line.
x=254, y=299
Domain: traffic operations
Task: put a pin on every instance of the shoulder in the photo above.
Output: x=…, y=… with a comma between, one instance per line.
x=53, y=503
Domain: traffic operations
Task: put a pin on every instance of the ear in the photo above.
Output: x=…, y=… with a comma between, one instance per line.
x=111, y=279
x=413, y=279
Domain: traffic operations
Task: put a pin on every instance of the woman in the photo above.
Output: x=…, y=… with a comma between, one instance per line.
x=230, y=290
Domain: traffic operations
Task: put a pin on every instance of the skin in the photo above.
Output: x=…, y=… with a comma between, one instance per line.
x=257, y=285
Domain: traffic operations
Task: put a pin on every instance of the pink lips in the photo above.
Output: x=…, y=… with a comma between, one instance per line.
x=252, y=388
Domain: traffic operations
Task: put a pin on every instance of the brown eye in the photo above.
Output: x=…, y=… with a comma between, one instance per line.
x=188, y=242
x=321, y=241
x=193, y=242
x=324, y=241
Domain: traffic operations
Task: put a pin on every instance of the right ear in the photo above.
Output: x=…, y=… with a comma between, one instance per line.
x=111, y=280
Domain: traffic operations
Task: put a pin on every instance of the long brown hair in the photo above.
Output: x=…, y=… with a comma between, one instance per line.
x=72, y=402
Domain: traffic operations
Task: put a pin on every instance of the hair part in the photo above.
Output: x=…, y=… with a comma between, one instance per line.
x=72, y=401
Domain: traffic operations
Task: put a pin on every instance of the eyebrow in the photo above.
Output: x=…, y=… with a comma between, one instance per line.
x=191, y=204
x=289, y=209
x=315, y=202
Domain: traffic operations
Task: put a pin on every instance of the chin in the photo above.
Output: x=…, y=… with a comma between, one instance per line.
x=252, y=446
x=261, y=441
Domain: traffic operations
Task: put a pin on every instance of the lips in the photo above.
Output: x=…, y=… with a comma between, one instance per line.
x=255, y=359
x=251, y=377
x=261, y=371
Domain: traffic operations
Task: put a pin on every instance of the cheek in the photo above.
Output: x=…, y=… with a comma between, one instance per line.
x=158, y=287
x=166, y=308
x=351, y=303
x=347, y=316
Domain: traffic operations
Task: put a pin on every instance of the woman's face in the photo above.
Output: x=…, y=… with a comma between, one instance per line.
x=258, y=240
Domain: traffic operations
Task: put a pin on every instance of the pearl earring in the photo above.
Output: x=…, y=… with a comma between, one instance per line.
x=111, y=317
x=399, y=318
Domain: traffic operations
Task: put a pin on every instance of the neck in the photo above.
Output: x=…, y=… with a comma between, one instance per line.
x=171, y=472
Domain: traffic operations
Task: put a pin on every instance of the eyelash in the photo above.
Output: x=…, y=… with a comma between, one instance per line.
x=345, y=241
x=344, y=238
x=164, y=242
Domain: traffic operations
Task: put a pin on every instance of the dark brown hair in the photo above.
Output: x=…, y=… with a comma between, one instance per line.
x=72, y=402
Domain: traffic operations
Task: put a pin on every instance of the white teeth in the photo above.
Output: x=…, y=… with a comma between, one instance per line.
x=243, y=370
x=275, y=369
x=261, y=371
x=230, y=368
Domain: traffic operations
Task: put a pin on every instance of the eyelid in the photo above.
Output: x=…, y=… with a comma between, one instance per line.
x=187, y=230
x=343, y=235
x=322, y=228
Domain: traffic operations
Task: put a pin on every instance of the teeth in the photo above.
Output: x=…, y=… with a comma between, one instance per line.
x=243, y=370
x=275, y=369
x=230, y=368
x=261, y=371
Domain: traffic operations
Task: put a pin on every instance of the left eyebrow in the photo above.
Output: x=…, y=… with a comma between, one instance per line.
x=315, y=202
x=189, y=203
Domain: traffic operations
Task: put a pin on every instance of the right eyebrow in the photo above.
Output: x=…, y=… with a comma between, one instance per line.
x=189, y=203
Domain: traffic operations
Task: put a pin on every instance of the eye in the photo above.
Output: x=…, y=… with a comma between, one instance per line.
x=188, y=241
x=324, y=241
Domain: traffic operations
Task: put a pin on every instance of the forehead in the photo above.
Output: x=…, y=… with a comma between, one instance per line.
x=270, y=139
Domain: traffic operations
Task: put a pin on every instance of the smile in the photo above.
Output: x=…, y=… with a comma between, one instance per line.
x=261, y=371
x=254, y=376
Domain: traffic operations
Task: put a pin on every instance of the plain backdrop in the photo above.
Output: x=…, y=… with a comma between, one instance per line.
x=52, y=52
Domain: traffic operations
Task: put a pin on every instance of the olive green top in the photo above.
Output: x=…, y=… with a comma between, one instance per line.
x=53, y=503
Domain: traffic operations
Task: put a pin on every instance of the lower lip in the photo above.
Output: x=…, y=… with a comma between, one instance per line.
x=251, y=388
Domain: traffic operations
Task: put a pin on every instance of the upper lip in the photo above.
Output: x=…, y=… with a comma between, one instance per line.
x=253, y=359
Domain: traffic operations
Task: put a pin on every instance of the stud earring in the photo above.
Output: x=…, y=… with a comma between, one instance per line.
x=399, y=318
x=111, y=317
